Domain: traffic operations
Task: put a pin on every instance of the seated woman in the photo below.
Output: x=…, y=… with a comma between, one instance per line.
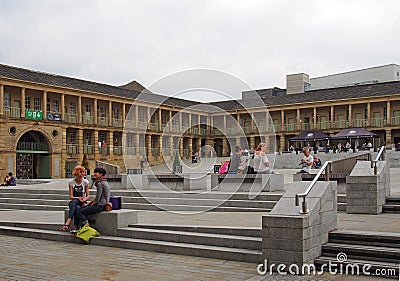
x=9, y=180
x=99, y=203
x=261, y=162
x=78, y=193
x=317, y=162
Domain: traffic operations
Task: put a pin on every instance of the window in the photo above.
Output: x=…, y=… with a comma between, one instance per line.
x=56, y=106
x=27, y=102
x=7, y=100
x=141, y=117
x=71, y=138
x=116, y=113
x=102, y=112
x=37, y=102
x=88, y=109
x=72, y=107
x=130, y=140
x=385, y=113
x=88, y=136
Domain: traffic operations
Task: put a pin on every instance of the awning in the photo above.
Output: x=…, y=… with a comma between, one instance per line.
x=354, y=133
x=310, y=136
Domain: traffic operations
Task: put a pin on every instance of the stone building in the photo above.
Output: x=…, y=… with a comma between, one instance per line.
x=48, y=122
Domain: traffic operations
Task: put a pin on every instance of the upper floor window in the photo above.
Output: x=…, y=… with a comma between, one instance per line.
x=27, y=102
x=7, y=100
x=102, y=111
x=116, y=113
x=141, y=117
x=72, y=107
x=37, y=101
x=56, y=106
x=88, y=109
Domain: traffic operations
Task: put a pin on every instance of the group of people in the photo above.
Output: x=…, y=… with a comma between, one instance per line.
x=9, y=180
x=80, y=206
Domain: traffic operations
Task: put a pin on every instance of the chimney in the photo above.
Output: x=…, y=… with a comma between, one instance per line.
x=297, y=83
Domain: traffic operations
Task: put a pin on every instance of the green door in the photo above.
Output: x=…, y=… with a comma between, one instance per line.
x=44, y=167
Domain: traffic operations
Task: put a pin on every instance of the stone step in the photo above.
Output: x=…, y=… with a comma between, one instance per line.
x=341, y=207
x=27, y=201
x=391, y=268
x=46, y=196
x=368, y=238
x=189, y=208
x=389, y=208
x=341, y=198
x=188, y=249
x=393, y=200
x=40, y=207
x=225, y=230
x=209, y=239
x=370, y=253
x=201, y=202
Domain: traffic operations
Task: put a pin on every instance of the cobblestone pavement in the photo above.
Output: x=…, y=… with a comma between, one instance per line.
x=32, y=259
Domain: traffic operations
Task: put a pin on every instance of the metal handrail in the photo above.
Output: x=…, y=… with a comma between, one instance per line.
x=381, y=155
x=327, y=168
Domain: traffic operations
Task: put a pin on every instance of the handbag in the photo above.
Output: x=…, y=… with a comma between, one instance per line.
x=86, y=233
x=109, y=205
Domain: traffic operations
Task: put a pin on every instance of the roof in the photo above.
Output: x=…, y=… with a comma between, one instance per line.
x=310, y=136
x=79, y=84
x=354, y=133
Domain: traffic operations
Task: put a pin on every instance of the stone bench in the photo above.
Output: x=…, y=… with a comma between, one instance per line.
x=181, y=182
x=310, y=177
x=107, y=223
x=247, y=182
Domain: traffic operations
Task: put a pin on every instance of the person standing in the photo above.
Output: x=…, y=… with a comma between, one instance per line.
x=307, y=161
x=99, y=203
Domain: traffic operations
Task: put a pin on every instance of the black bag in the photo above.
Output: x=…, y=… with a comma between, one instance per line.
x=250, y=170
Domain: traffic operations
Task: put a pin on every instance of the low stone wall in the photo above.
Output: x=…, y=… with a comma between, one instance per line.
x=293, y=238
x=365, y=192
x=247, y=182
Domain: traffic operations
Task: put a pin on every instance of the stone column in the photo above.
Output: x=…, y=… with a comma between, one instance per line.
x=332, y=116
x=96, y=142
x=110, y=114
x=389, y=113
x=23, y=102
x=268, y=143
x=170, y=122
x=368, y=113
x=160, y=145
x=190, y=123
x=80, y=141
x=159, y=120
x=315, y=117
x=137, y=144
x=298, y=119
x=199, y=123
x=62, y=111
x=136, y=116
x=44, y=105
x=224, y=125
x=80, y=110
x=224, y=147
x=282, y=142
x=252, y=122
x=123, y=114
x=252, y=142
x=181, y=147
x=110, y=143
x=190, y=146
x=388, y=137
x=95, y=111
x=282, y=120
x=1, y=99
x=350, y=115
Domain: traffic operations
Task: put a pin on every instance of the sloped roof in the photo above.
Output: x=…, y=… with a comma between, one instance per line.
x=310, y=136
x=354, y=133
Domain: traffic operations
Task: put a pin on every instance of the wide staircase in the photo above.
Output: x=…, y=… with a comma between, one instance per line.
x=379, y=249
x=57, y=200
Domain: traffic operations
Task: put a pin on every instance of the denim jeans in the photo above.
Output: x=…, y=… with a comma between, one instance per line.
x=81, y=214
x=74, y=206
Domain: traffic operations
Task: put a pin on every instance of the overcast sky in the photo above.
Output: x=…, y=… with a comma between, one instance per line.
x=259, y=42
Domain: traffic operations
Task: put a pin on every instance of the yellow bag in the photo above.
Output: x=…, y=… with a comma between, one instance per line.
x=86, y=232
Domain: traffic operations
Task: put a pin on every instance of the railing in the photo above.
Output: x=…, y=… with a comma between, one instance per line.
x=72, y=149
x=104, y=150
x=396, y=120
x=71, y=118
x=359, y=123
x=88, y=149
x=377, y=122
x=381, y=156
x=14, y=112
x=117, y=123
x=327, y=168
x=87, y=120
x=130, y=150
x=117, y=150
x=102, y=121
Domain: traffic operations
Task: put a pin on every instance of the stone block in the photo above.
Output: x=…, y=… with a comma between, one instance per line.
x=197, y=182
x=107, y=223
x=139, y=182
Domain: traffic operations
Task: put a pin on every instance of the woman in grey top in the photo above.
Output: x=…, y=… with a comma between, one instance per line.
x=98, y=204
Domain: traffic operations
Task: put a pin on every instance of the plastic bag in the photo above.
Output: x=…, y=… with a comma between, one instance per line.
x=86, y=233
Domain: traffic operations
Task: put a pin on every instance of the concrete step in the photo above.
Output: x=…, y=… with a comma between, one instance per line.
x=46, y=196
x=201, y=202
x=368, y=238
x=209, y=239
x=341, y=198
x=363, y=252
x=27, y=201
x=40, y=207
x=389, y=208
x=189, y=208
x=393, y=200
x=225, y=230
x=392, y=269
x=189, y=249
